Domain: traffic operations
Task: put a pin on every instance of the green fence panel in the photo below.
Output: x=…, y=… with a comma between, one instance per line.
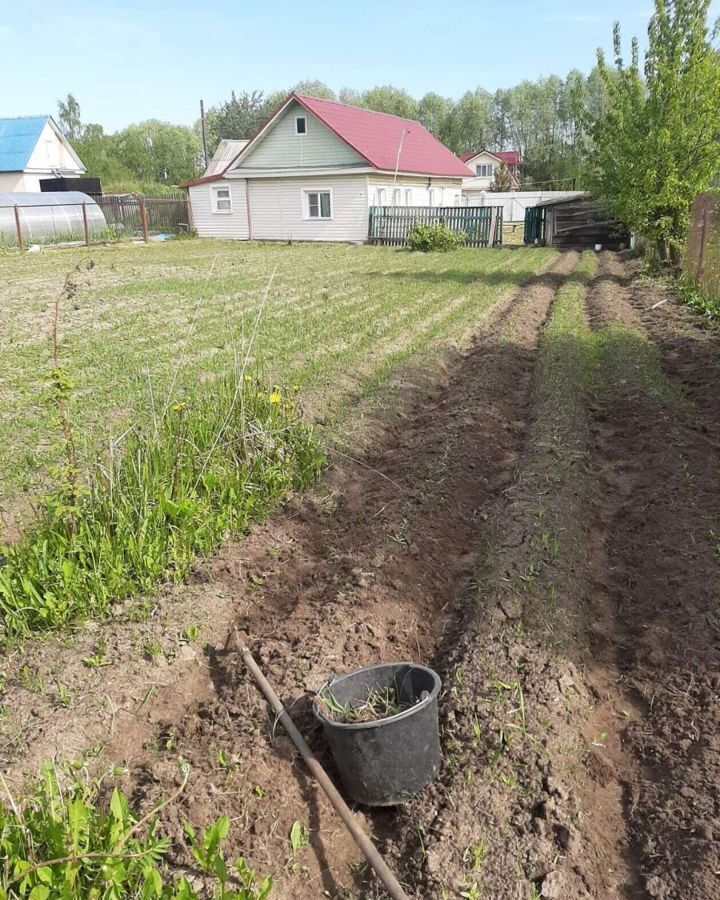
x=391, y=225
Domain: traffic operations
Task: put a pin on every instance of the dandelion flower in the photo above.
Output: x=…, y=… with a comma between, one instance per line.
x=275, y=397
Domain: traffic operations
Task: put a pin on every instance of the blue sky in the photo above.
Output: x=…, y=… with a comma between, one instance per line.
x=154, y=59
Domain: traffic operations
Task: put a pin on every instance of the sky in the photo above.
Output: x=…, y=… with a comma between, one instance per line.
x=136, y=60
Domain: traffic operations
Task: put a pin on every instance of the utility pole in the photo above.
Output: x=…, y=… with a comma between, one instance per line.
x=202, y=128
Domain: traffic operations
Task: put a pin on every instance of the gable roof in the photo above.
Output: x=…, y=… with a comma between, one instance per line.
x=375, y=136
x=509, y=157
x=18, y=138
x=227, y=151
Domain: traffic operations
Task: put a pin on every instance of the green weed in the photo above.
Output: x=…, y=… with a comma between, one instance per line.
x=211, y=462
x=66, y=841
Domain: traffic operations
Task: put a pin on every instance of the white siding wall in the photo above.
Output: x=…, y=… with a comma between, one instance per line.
x=51, y=153
x=15, y=181
x=282, y=148
x=220, y=225
x=277, y=209
x=414, y=191
x=514, y=203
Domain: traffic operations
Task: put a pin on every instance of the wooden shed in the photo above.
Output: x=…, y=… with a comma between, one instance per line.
x=573, y=222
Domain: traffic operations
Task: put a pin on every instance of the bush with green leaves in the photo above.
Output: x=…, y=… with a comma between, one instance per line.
x=429, y=238
x=211, y=462
x=81, y=841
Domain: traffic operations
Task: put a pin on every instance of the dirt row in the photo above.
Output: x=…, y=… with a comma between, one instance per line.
x=539, y=523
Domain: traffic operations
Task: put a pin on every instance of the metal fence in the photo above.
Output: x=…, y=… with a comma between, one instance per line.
x=702, y=254
x=102, y=219
x=391, y=225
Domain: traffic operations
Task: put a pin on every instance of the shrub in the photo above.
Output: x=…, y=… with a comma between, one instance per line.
x=429, y=238
x=209, y=464
x=65, y=841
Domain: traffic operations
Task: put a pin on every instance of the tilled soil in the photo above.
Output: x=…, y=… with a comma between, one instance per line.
x=551, y=549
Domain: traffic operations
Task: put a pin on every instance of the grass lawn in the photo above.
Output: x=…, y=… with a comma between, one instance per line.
x=337, y=320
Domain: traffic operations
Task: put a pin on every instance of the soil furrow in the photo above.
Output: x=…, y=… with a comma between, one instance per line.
x=658, y=513
x=367, y=570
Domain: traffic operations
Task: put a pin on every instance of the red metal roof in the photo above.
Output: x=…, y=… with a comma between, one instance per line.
x=509, y=157
x=376, y=136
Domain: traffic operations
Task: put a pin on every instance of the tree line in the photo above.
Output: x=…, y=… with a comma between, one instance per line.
x=547, y=120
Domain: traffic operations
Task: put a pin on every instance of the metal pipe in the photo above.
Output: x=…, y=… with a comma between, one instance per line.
x=341, y=808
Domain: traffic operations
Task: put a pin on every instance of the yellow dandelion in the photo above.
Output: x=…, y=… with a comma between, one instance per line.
x=275, y=397
x=248, y=378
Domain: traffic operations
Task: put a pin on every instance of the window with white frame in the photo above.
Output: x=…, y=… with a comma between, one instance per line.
x=396, y=196
x=380, y=196
x=300, y=125
x=221, y=199
x=485, y=170
x=431, y=197
x=408, y=197
x=318, y=204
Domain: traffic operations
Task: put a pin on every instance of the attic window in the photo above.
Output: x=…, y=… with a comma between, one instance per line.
x=484, y=171
x=300, y=125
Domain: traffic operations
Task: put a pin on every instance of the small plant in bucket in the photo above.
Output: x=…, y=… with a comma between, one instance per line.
x=380, y=703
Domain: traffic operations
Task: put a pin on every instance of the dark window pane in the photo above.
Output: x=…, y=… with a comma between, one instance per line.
x=325, y=206
x=300, y=123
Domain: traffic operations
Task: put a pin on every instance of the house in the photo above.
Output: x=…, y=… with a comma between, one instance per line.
x=483, y=164
x=316, y=167
x=226, y=152
x=32, y=148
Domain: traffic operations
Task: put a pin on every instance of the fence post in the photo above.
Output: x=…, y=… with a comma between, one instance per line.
x=85, y=224
x=493, y=226
x=700, y=270
x=188, y=207
x=144, y=221
x=18, y=226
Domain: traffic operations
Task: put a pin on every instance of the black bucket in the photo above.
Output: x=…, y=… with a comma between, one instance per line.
x=386, y=761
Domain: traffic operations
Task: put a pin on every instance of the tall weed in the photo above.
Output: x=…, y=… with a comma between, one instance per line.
x=81, y=841
x=211, y=462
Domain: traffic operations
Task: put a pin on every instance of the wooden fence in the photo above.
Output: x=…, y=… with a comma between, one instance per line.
x=136, y=217
x=92, y=221
x=702, y=254
x=391, y=225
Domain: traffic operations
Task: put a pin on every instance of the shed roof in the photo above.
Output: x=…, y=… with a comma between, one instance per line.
x=17, y=141
x=48, y=198
x=226, y=152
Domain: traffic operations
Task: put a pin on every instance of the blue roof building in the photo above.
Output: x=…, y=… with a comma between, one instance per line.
x=31, y=148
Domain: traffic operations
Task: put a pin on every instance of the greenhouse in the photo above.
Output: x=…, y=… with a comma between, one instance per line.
x=48, y=218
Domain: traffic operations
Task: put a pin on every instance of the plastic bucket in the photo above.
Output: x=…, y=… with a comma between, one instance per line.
x=384, y=762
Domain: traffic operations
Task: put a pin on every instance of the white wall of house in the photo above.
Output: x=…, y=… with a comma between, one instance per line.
x=211, y=221
x=280, y=208
x=409, y=190
x=52, y=153
x=483, y=165
x=15, y=181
